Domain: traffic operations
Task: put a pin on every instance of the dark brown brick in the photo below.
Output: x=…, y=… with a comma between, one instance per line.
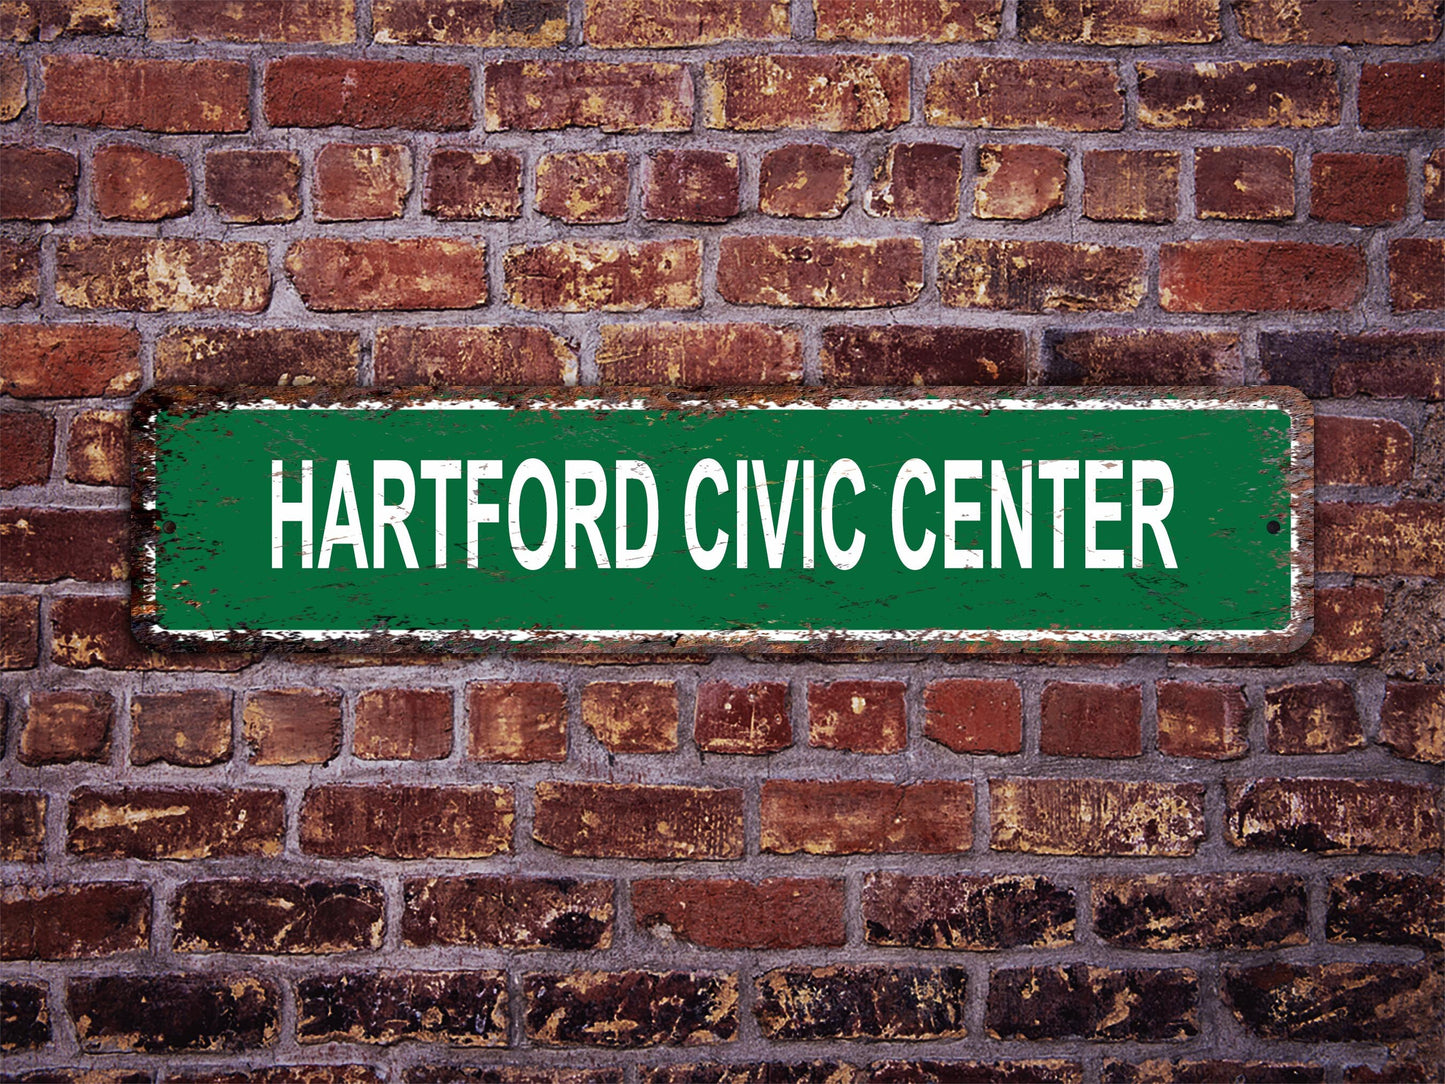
x=1362, y=451
x=274, y=356
x=866, y=817
x=1407, y=537
x=508, y=912
x=1358, y=189
x=292, y=726
x=1092, y=1003
x=1333, y=816
x=278, y=917
x=1039, y=276
x=358, y=181
x=1131, y=185
x=277, y=1074
x=469, y=185
x=632, y=716
x=974, y=716
x=797, y=1072
x=74, y=922
x=319, y=91
x=190, y=729
x=832, y=93
x=1202, y=720
x=1218, y=96
x=778, y=913
x=94, y=630
x=141, y=274
x=1094, y=357
x=1250, y=183
x=54, y=19
x=1318, y=717
x=1433, y=198
x=22, y=825
x=403, y=724
x=750, y=719
x=1391, y=365
x=43, y=545
x=1403, y=95
x=460, y=1008
x=1390, y=907
x=405, y=822
x=332, y=23
x=690, y=186
x=1417, y=273
x=19, y=631
x=805, y=180
x=98, y=450
x=19, y=272
x=137, y=185
x=503, y=355
x=487, y=23
x=1001, y=92
x=626, y=820
x=1412, y=720
x=541, y=95
x=14, y=85
x=175, y=823
x=334, y=274
x=508, y=1074
x=974, y=913
x=699, y=354
x=938, y=21
x=27, y=440
x=1096, y=817
x=858, y=716
x=917, y=181
x=583, y=188
x=630, y=1009
x=1343, y=1002
x=610, y=276
x=254, y=186
x=1259, y=276
x=1119, y=22
x=157, y=1014
x=62, y=727
x=154, y=95
x=875, y=1003
x=517, y=721
x=1347, y=624
x=1300, y=22
x=1019, y=180
x=912, y=354
x=1090, y=720
x=820, y=272
x=1208, y=1071
x=1204, y=911
x=39, y=183
x=24, y=1015
x=68, y=361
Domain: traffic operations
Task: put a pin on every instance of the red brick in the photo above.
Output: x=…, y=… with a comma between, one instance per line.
x=820, y=272
x=1313, y=22
x=866, y=817
x=39, y=183
x=646, y=24
x=13, y=87
x=1403, y=95
x=1358, y=189
x=1333, y=816
x=630, y=820
x=751, y=720
x=699, y=354
x=357, y=181
x=468, y=185
x=62, y=727
x=1412, y=721
x=19, y=272
x=254, y=186
x=319, y=91
x=98, y=451
x=690, y=186
x=27, y=445
x=583, y=188
x=175, y=823
x=866, y=1002
x=163, y=1013
x=1433, y=198
x=632, y=716
x=516, y=722
x=74, y=922
x=19, y=632
x=1318, y=717
x=22, y=825
x=778, y=913
x=1096, y=817
x=999, y=92
x=1039, y=276
x=191, y=729
x=1347, y=624
x=833, y=93
x=1089, y=720
x=911, y=354
x=1362, y=451
x=508, y=912
x=505, y=355
x=1019, y=180
x=28, y=20
x=137, y=185
x=610, y=276
x=1204, y=721
x=1215, y=96
x=269, y=355
x=1131, y=186
x=966, y=913
x=805, y=180
x=332, y=22
x=859, y=716
x=539, y=95
x=334, y=274
x=154, y=95
x=143, y=274
x=1119, y=22
x=1407, y=538
x=278, y=917
x=94, y=630
x=1417, y=273
x=885, y=22
x=472, y=22
x=917, y=181
x=974, y=716
x=403, y=724
x=43, y=545
x=1249, y=183
x=292, y=726
x=341, y=821
x=1259, y=276
x=1106, y=357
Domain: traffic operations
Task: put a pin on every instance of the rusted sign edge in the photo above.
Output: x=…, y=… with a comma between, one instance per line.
x=200, y=400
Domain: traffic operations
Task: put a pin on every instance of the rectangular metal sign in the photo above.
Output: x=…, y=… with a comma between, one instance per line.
x=880, y=519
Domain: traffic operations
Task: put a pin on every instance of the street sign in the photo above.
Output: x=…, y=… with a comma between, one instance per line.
x=864, y=520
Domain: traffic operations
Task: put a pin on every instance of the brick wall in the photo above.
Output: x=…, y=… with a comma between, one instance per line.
x=529, y=869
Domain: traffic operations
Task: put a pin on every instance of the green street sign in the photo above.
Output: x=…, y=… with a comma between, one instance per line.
x=867, y=520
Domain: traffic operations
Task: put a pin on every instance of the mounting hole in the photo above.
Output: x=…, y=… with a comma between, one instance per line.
x=1272, y=526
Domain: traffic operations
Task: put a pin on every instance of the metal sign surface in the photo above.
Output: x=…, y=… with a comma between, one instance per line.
x=866, y=520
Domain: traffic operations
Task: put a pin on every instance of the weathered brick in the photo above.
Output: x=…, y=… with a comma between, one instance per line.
x=1119, y=22
x=162, y=275
x=611, y=276
x=1358, y=189
x=169, y=1013
x=912, y=354
x=832, y=93
x=508, y=912
x=1391, y=907
x=1039, y=276
x=699, y=354
x=1201, y=911
x=1096, y=817
x=469, y=185
x=175, y=823
x=403, y=724
x=1417, y=273
x=1347, y=623
x=1403, y=95
x=1343, y=1002
x=39, y=183
x=646, y=24
x=539, y=95
x=1019, y=180
x=820, y=272
x=62, y=727
x=19, y=272
x=356, y=181
x=1094, y=1003
x=875, y=1003
x=334, y=274
x=24, y=1015
x=583, y=188
x=758, y=1072
x=14, y=87
x=516, y=721
x=94, y=630
x=154, y=95
x=1376, y=539
x=1131, y=185
x=1090, y=720
x=292, y=726
x=1333, y=816
x=1412, y=720
x=62, y=361
x=777, y=913
x=1249, y=183
x=137, y=185
x=488, y=23
x=974, y=715
x=275, y=1074
x=98, y=451
x=1205, y=721
x=504, y=355
x=630, y=1009
x=1259, y=276
x=1433, y=197
x=319, y=91
x=1138, y=356
x=1393, y=1071
x=510, y=1074
x=19, y=631
x=690, y=186
x=1318, y=717
x=331, y=23
x=632, y=716
x=27, y=441
x=866, y=817
x=858, y=716
x=72, y=922
x=1362, y=451
x=254, y=186
x=346, y=821
x=22, y=825
x=805, y=180
x=627, y=820
x=459, y=1008
x=942, y=22
x=916, y=181
x=1002, y=92
x=44, y=545
x=28, y=20
x=1014, y=1071
x=1392, y=365
x=278, y=917
x=751, y=720
x=1309, y=22
x=271, y=355
x=1218, y=96
x=973, y=913
x=190, y=729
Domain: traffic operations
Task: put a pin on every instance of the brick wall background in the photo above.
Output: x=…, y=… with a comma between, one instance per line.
x=530, y=869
